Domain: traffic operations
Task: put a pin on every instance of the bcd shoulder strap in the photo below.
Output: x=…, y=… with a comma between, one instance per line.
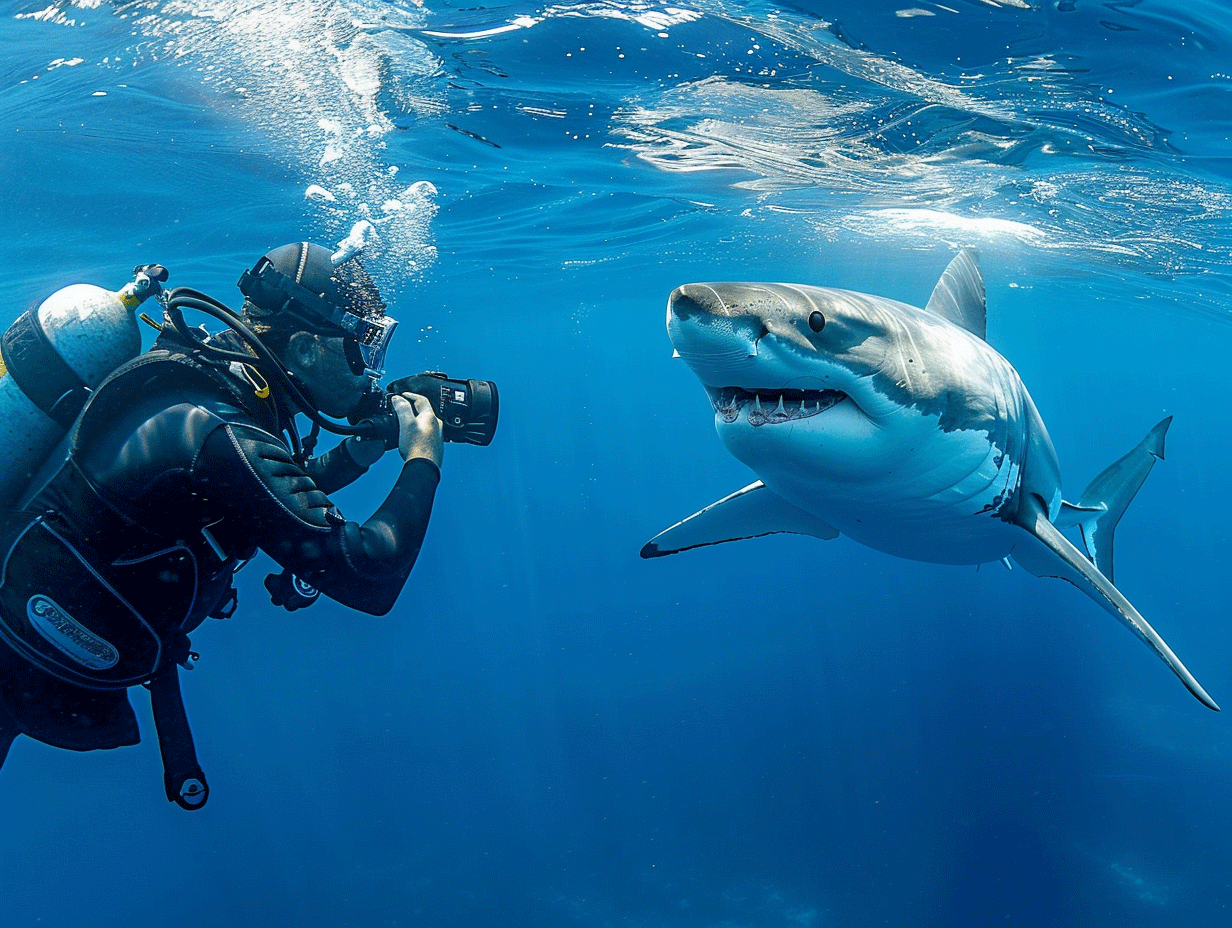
x=159, y=369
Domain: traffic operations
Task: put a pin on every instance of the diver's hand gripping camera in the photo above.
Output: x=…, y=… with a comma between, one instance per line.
x=467, y=408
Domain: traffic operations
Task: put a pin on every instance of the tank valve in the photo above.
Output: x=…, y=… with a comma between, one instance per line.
x=147, y=282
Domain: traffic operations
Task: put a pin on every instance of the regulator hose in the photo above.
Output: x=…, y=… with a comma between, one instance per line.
x=181, y=298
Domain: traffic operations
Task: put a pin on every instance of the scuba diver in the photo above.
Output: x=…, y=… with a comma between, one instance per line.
x=180, y=465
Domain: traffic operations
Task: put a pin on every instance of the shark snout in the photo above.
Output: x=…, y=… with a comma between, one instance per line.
x=717, y=347
x=692, y=301
x=745, y=311
x=740, y=333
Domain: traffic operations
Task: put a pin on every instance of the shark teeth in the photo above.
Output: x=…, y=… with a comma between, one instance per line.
x=786, y=405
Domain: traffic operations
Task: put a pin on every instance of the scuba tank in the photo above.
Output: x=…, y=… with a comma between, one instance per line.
x=52, y=357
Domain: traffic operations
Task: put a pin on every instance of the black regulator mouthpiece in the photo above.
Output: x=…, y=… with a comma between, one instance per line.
x=467, y=408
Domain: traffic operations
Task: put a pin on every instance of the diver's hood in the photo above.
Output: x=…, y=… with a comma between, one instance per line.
x=302, y=281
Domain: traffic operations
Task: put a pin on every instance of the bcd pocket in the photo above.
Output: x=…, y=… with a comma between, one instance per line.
x=66, y=617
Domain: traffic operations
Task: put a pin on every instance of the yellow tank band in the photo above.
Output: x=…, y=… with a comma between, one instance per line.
x=3, y=370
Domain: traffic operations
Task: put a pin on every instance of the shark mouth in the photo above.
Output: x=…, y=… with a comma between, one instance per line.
x=770, y=407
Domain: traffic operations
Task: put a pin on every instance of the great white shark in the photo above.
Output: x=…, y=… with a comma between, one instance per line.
x=898, y=427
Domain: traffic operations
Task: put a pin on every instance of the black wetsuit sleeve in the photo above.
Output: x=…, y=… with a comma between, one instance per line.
x=334, y=469
x=265, y=498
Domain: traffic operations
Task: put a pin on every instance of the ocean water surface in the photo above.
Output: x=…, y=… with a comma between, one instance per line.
x=547, y=730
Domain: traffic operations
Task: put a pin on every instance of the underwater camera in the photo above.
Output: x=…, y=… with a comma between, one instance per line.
x=467, y=408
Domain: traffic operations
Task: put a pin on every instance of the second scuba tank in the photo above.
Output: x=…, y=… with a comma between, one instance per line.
x=50, y=360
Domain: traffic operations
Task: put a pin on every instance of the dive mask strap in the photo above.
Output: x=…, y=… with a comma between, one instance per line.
x=367, y=337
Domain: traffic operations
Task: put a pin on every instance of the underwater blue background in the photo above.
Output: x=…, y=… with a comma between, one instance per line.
x=547, y=730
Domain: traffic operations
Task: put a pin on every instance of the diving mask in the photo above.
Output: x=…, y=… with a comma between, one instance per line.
x=366, y=334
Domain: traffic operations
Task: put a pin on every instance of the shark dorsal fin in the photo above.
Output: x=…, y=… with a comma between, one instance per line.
x=959, y=294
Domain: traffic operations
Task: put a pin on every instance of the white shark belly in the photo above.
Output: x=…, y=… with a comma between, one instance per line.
x=939, y=503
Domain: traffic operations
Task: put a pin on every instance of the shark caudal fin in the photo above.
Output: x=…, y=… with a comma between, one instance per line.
x=1105, y=500
x=1048, y=553
x=748, y=513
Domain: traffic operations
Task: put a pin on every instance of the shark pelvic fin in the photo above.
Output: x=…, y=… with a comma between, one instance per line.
x=1048, y=553
x=1105, y=500
x=959, y=294
x=747, y=513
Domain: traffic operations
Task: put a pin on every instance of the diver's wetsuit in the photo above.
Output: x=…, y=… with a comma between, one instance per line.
x=173, y=450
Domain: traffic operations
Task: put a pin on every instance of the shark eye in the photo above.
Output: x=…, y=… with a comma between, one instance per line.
x=817, y=321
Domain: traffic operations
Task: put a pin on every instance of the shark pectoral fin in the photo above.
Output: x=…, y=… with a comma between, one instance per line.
x=1107, y=497
x=747, y=513
x=959, y=294
x=1048, y=553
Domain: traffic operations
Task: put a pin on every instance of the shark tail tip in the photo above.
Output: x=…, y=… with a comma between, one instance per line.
x=1195, y=688
x=1155, y=439
x=650, y=549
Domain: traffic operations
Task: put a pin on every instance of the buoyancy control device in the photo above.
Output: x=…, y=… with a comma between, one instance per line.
x=52, y=357
x=51, y=360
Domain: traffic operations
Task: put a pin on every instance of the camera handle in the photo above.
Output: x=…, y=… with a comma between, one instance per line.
x=384, y=426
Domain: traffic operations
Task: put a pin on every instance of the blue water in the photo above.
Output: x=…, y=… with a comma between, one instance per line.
x=548, y=731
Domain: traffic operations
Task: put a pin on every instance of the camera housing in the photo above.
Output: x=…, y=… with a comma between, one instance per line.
x=468, y=409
